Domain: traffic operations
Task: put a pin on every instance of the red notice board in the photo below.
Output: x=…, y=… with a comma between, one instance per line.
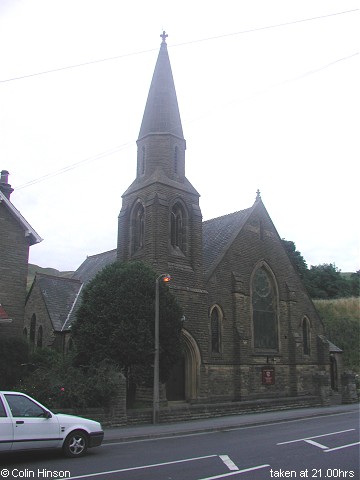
x=268, y=375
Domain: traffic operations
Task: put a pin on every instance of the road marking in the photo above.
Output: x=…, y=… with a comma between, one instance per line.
x=342, y=446
x=228, y=462
x=316, y=436
x=251, y=469
x=142, y=467
x=316, y=444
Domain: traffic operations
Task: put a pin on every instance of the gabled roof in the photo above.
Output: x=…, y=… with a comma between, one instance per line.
x=28, y=230
x=219, y=233
x=333, y=348
x=93, y=265
x=161, y=113
x=59, y=295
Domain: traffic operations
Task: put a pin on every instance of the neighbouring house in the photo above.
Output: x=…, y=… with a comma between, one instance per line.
x=250, y=329
x=16, y=237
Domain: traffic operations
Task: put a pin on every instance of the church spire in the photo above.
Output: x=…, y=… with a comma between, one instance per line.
x=161, y=113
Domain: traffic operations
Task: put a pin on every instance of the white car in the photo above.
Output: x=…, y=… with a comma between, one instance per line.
x=25, y=424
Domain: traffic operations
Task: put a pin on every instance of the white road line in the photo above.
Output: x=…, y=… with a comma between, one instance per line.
x=316, y=444
x=342, y=446
x=316, y=436
x=142, y=467
x=236, y=473
x=228, y=462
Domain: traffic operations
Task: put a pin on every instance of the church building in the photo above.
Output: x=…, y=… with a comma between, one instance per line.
x=250, y=329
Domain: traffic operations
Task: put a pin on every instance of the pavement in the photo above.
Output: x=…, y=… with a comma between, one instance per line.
x=163, y=430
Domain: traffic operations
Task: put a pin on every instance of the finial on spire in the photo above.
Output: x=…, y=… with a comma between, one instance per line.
x=164, y=36
x=258, y=195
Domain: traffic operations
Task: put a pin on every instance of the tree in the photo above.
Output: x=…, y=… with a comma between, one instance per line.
x=296, y=258
x=115, y=322
x=326, y=281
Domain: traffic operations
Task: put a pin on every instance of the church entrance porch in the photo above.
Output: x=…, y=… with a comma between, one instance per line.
x=185, y=378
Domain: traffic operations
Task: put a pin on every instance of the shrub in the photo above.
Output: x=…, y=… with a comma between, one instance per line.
x=57, y=383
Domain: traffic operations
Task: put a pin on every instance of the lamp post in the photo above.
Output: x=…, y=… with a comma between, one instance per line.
x=166, y=278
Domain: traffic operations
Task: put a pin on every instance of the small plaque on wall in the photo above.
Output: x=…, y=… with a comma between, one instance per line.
x=268, y=375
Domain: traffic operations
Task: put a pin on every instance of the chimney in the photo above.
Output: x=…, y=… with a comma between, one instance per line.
x=4, y=186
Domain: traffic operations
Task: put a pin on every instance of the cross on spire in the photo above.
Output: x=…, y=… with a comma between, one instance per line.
x=164, y=36
x=258, y=195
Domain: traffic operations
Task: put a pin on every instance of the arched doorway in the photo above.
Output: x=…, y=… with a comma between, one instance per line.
x=184, y=381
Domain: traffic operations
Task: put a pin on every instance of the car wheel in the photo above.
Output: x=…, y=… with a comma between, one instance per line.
x=75, y=444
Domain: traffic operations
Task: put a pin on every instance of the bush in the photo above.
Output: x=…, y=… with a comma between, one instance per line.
x=57, y=383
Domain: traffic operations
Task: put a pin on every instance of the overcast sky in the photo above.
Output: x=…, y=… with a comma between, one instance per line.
x=268, y=93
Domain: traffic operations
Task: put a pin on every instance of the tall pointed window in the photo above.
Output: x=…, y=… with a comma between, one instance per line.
x=138, y=227
x=264, y=306
x=33, y=329
x=177, y=234
x=215, y=325
x=306, y=336
x=39, y=341
x=176, y=159
x=142, y=161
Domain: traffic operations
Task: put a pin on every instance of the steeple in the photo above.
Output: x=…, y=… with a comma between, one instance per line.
x=161, y=113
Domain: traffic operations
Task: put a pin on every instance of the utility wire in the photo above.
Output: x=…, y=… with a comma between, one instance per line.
x=124, y=145
x=45, y=72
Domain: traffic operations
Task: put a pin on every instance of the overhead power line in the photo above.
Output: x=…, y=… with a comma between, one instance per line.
x=132, y=142
x=252, y=30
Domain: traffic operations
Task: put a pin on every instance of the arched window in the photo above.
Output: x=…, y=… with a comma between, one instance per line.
x=142, y=161
x=178, y=227
x=138, y=227
x=25, y=333
x=215, y=325
x=176, y=154
x=264, y=306
x=306, y=336
x=33, y=329
x=39, y=342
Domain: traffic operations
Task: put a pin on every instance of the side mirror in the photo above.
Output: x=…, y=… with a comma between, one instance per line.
x=47, y=414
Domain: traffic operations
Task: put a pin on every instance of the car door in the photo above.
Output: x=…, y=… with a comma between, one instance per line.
x=33, y=426
x=6, y=429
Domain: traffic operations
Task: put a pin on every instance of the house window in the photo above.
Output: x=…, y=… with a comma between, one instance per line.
x=138, y=227
x=33, y=329
x=215, y=325
x=306, y=336
x=178, y=227
x=264, y=308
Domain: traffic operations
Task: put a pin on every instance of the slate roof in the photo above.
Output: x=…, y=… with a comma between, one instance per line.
x=219, y=233
x=28, y=230
x=93, y=265
x=59, y=294
x=333, y=348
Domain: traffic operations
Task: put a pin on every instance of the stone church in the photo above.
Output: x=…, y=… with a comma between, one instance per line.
x=250, y=329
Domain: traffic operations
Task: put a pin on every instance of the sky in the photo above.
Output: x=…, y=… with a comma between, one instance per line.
x=268, y=93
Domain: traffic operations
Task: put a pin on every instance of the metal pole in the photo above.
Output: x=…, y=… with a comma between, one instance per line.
x=156, y=356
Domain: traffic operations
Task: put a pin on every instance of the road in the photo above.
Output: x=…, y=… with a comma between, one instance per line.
x=315, y=448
